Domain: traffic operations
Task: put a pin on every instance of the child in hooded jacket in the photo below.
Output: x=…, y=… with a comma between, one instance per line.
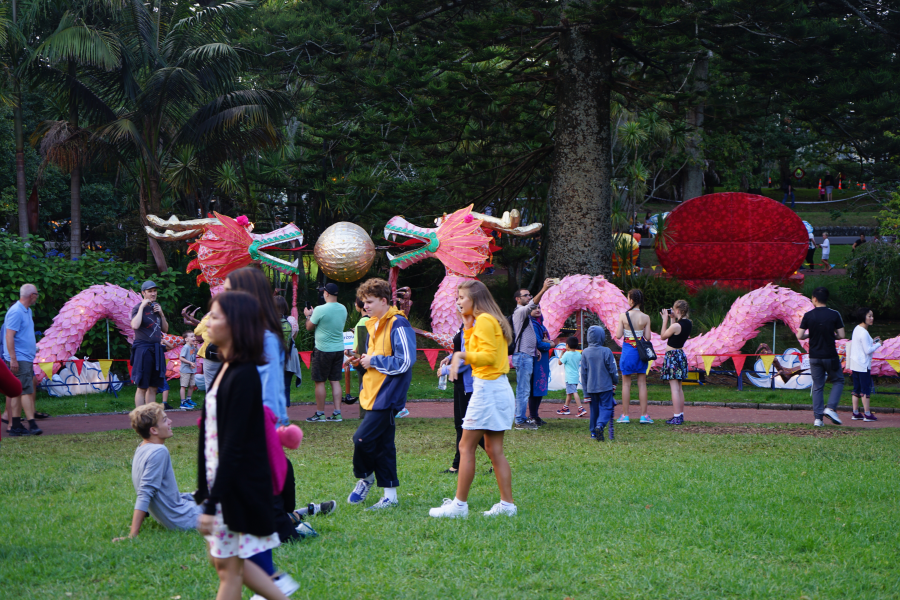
x=599, y=376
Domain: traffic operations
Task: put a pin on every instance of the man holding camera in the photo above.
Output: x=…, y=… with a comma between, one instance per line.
x=148, y=357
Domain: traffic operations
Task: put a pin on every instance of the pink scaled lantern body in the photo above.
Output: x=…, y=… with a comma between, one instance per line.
x=62, y=339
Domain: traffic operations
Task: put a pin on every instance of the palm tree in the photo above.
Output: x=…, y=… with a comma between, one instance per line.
x=78, y=49
x=179, y=84
x=12, y=40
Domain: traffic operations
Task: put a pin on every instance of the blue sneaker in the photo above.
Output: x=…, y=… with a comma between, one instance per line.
x=676, y=420
x=646, y=420
x=359, y=493
x=384, y=503
x=188, y=405
x=623, y=419
x=402, y=413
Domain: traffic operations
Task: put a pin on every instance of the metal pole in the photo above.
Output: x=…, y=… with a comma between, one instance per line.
x=774, y=323
x=108, y=353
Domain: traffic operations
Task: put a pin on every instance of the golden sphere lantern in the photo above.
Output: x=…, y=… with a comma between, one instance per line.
x=345, y=252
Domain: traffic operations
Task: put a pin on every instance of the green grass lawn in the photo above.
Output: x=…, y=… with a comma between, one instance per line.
x=660, y=513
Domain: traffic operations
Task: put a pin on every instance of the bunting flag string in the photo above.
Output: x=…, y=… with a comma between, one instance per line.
x=767, y=360
x=431, y=354
x=129, y=369
x=79, y=364
x=895, y=364
x=738, y=360
x=47, y=368
x=306, y=357
x=707, y=362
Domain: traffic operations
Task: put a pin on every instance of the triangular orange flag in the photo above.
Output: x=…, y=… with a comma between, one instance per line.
x=306, y=356
x=738, y=360
x=79, y=364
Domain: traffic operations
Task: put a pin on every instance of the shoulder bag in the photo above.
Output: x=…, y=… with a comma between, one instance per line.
x=644, y=348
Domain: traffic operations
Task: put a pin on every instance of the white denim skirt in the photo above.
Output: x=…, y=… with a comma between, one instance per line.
x=492, y=406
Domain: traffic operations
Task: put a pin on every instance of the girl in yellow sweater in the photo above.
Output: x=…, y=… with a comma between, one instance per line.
x=492, y=408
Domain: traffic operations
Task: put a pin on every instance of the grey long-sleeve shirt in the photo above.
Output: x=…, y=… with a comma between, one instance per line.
x=157, y=491
x=522, y=318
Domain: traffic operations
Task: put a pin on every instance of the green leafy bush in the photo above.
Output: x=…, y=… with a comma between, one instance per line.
x=59, y=278
x=875, y=269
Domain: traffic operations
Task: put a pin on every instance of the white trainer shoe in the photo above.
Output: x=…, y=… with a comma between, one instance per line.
x=284, y=582
x=831, y=414
x=818, y=423
x=499, y=509
x=449, y=509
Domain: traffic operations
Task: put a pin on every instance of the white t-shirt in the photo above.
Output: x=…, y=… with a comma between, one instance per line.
x=826, y=248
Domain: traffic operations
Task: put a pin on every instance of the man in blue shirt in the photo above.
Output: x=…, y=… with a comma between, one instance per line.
x=19, y=348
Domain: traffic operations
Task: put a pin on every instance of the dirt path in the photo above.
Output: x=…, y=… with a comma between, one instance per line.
x=444, y=410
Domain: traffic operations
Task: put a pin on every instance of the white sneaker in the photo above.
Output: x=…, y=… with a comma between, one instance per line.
x=499, y=509
x=287, y=584
x=818, y=423
x=449, y=509
x=833, y=416
x=283, y=582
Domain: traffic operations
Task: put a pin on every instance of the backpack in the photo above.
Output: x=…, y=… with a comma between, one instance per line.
x=514, y=346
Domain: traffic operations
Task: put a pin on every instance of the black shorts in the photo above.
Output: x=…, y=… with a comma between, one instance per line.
x=144, y=373
x=326, y=366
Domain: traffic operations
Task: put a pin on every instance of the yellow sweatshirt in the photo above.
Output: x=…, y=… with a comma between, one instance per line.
x=486, y=348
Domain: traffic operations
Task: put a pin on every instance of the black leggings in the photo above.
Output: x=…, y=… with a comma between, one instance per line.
x=460, y=404
x=534, y=405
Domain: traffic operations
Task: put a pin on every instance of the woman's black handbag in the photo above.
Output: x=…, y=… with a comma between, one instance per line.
x=644, y=348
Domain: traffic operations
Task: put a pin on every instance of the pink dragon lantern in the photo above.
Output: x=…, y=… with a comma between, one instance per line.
x=223, y=244
x=461, y=244
x=459, y=241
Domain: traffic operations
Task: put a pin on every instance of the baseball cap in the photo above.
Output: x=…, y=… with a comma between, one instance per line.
x=331, y=288
x=147, y=285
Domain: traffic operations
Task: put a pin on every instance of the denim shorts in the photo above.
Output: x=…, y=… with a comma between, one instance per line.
x=862, y=383
x=571, y=388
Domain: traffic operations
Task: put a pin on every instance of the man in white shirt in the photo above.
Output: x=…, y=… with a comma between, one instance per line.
x=826, y=251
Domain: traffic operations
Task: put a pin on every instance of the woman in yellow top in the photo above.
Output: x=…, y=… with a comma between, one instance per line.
x=492, y=407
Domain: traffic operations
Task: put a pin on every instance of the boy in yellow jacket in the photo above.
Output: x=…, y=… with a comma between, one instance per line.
x=387, y=366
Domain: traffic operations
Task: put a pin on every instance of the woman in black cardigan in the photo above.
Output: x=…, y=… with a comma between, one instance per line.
x=234, y=483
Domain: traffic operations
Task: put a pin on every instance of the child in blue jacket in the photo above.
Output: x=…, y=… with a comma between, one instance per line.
x=599, y=376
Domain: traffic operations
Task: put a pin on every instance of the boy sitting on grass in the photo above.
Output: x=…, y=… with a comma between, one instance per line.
x=188, y=360
x=154, y=479
x=599, y=376
x=571, y=360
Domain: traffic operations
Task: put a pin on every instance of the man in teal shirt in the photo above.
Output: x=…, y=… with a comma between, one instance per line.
x=328, y=321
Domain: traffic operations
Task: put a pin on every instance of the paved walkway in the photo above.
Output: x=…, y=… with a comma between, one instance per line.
x=444, y=410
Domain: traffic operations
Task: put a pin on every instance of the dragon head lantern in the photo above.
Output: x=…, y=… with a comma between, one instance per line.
x=225, y=244
x=462, y=242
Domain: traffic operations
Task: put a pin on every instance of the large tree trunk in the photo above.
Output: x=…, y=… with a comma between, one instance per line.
x=75, y=183
x=20, y=167
x=693, y=177
x=20, y=147
x=580, y=237
x=155, y=206
x=75, y=188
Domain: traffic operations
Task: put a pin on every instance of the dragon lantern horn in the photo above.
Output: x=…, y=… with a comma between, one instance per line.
x=176, y=229
x=508, y=224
